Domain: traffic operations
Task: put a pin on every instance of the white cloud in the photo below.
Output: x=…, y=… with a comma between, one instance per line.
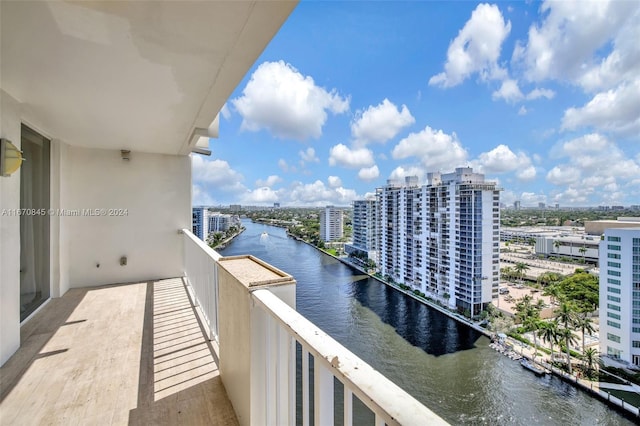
x=592, y=164
x=541, y=93
x=476, y=48
x=216, y=174
x=341, y=155
x=334, y=182
x=502, y=160
x=509, y=91
x=225, y=111
x=286, y=103
x=616, y=110
x=563, y=45
x=563, y=175
x=368, y=174
x=259, y=196
x=309, y=155
x=435, y=149
x=522, y=110
x=282, y=163
x=269, y=182
x=399, y=173
x=201, y=197
x=317, y=194
x=380, y=123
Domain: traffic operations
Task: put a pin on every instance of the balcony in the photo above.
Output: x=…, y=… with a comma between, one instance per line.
x=217, y=346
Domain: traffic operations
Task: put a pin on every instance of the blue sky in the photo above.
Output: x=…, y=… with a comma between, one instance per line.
x=542, y=97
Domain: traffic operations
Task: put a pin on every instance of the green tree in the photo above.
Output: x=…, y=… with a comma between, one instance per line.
x=566, y=335
x=556, y=244
x=585, y=324
x=520, y=268
x=583, y=251
x=549, y=333
x=566, y=315
x=590, y=358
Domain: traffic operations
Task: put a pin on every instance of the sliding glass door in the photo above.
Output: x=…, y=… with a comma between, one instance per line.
x=34, y=222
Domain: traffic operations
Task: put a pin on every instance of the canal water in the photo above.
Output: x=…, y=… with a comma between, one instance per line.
x=447, y=366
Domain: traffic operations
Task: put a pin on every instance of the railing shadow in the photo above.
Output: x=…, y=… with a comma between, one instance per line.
x=179, y=381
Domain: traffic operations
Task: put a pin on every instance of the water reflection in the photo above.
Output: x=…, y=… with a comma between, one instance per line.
x=418, y=324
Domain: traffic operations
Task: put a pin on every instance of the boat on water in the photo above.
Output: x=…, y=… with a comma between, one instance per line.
x=532, y=367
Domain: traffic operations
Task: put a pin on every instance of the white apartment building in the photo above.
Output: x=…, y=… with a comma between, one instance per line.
x=331, y=227
x=200, y=225
x=620, y=294
x=442, y=238
x=365, y=229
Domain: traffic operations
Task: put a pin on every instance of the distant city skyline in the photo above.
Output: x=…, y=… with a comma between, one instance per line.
x=543, y=98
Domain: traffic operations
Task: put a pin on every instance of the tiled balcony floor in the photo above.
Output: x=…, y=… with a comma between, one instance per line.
x=123, y=354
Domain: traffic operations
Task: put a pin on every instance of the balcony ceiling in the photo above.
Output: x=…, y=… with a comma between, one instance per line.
x=138, y=75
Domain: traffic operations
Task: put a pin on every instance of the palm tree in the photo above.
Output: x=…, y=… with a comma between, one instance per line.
x=569, y=338
x=554, y=291
x=590, y=358
x=533, y=323
x=567, y=317
x=585, y=324
x=566, y=314
x=556, y=245
x=549, y=333
x=582, y=251
x=520, y=268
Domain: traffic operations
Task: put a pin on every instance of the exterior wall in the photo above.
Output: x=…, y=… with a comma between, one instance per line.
x=9, y=237
x=620, y=294
x=154, y=189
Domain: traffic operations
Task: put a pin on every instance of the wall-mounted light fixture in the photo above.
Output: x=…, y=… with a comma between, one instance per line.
x=10, y=158
x=125, y=154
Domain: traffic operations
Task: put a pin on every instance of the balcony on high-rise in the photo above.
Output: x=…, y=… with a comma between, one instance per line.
x=112, y=311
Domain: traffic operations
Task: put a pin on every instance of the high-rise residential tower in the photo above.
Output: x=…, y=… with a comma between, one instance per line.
x=620, y=294
x=442, y=238
x=331, y=228
x=365, y=230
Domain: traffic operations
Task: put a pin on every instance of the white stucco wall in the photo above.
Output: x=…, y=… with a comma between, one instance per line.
x=153, y=189
x=9, y=237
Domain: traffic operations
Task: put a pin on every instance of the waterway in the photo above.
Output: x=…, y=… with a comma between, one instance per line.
x=444, y=364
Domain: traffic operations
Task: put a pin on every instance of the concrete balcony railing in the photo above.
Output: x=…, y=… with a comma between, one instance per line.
x=266, y=349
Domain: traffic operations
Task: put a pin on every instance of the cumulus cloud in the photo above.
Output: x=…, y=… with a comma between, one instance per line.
x=201, y=197
x=509, y=91
x=216, y=174
x=435, y=149
x=399, y=173
x=269, y=182
x=259, y=196
x=369, y=173
x=380, y=123
x=591, y=164
x=563, y=45
x=342, y=155
x=309, y=155
x=502, y=160
x=616, y=110
x=289, y=105
x=334, y=182
x=476, y=48
x=317, y=194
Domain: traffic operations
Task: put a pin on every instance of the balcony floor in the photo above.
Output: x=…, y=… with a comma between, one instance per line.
x=122, y=354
